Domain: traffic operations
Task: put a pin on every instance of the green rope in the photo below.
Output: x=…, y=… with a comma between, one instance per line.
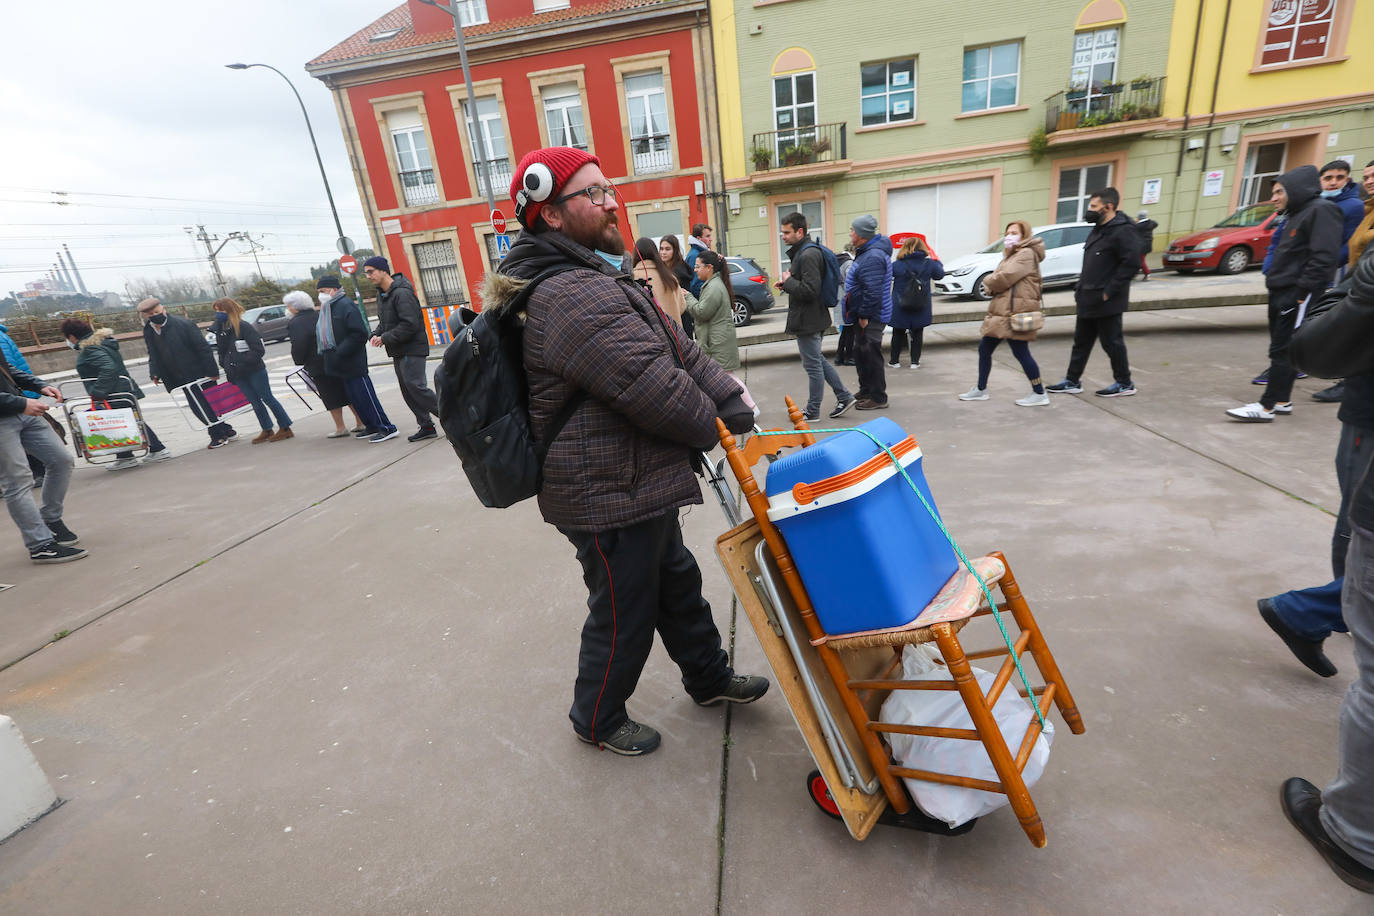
x=987, y=592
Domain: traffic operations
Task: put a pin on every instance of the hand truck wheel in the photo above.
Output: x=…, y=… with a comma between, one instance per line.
x=820, y=794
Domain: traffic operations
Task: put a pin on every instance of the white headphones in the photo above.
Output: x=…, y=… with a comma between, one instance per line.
x=538, y=187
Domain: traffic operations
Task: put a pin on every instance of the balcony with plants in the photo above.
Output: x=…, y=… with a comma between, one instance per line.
x=1124, y=105
x=808, y=150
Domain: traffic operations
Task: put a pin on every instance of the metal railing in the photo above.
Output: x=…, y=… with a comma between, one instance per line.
x=652, y=153
x=499, y=170
x=419, y=187
x=1104, y=103
x=779, y=149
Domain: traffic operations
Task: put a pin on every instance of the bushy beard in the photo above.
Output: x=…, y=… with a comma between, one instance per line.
x=598, y=231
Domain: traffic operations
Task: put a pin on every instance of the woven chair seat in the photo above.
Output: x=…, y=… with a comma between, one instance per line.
x=959, y=599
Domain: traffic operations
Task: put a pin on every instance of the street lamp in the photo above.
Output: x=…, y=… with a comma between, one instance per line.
x=483, y=166
x=338, y=226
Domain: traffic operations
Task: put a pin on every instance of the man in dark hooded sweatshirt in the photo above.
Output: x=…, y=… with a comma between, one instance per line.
x=643, y=398
x=1301, y=268
x=401, y=329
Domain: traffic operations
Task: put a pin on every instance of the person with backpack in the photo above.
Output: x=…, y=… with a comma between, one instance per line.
x=617, y=467
x=1015, y=286
x=812, y=284
x=912, y=311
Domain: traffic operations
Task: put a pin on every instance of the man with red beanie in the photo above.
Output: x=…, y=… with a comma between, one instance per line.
x=620, y=467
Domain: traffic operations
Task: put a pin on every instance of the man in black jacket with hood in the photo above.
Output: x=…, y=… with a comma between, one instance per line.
x=400, y=328
x=1300, y=270
x=1111, y=256
x=178, y=355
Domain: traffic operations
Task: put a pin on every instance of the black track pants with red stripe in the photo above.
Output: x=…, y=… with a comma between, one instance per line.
x=640, y=578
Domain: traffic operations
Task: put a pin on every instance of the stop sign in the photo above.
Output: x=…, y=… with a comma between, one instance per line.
x=498, y=222
x=348, y=264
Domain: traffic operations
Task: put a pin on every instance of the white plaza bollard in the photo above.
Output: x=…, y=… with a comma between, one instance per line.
x=25, y=793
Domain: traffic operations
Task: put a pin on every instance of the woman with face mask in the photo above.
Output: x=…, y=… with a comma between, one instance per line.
x=101, y=369
x=240, y=353
x=1015, y=286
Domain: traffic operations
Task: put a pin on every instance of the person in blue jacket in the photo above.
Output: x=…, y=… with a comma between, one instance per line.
x=1344, y=193
x=868, y=302
x=912, y=274
x=16, y=359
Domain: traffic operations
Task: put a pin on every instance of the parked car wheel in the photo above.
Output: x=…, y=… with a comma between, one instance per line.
x=981, y=291
x=1234, y=261
x=741, y=312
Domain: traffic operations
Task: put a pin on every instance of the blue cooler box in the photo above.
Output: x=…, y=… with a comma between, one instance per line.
x=869, y=553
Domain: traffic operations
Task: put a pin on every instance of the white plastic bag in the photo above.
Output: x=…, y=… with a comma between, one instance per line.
x=956, y=805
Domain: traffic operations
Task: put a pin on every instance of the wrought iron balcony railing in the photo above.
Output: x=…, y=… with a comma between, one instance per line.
x=803, y=145
x=1104, y=103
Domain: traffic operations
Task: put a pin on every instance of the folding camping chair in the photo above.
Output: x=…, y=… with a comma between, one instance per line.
x=103, y=429
x=225, y=400
x=860, y=696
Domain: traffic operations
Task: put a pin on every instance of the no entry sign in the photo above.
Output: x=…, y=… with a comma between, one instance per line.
x=348, y=264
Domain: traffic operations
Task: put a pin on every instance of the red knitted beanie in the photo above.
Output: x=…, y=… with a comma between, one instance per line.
x=541, y=175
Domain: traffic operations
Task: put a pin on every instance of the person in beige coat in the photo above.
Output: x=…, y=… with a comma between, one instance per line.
x=1015, y=286
x=651, y=272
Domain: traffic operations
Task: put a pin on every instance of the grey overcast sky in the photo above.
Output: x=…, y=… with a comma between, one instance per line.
x=128, y=106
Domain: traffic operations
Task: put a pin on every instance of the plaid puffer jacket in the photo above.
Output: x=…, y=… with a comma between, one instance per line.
x=625, y=455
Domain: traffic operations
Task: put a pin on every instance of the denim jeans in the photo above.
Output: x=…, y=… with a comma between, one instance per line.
x=18, y=435
x=258, y=389
x=1312, y=613
x=819, y=373
x=1353, y=455
x=1347, y=810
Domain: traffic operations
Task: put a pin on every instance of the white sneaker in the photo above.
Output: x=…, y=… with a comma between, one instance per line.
x=122, y=463
x=914, y=366
x=152, y=457
x=1284, y=408
x=1251, y=413
x=974, y=394
x=1034, y=400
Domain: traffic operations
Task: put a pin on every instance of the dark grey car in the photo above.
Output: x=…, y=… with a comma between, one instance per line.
x=268, y=320
x=749, y=288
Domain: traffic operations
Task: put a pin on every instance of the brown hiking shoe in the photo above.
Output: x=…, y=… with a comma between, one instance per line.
x=284, y=433
x=264, y=436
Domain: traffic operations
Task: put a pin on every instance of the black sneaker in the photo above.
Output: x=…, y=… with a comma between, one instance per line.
x=1065, y=387
x=629, y=740
x=741, y=689
x=218, y=443
x=424, y=432
x=62, y=534
x=841, y=408
x=1116, y=390
x=364, y=433
x=1330, y=395
x=810, y=417
x=53, y=552
x=385, y=436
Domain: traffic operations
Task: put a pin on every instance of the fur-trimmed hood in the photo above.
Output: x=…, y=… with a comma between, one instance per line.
x=97, y=338
x=530, y=256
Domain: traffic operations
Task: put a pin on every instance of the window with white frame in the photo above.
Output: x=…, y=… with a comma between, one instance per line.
x=563, y=115
x=814, y=211
x=490, y=149
x=650, y=139
x=414, y=169
x=794, y=111
x=1264, y=163
x=471, y=12
x=1076, y=186
x=992, y=77
x=440, y=279
x=888, y=92
x=1094, y=67
x=543, y=6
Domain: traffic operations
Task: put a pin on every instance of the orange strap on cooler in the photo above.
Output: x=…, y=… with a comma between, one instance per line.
x=805, y=493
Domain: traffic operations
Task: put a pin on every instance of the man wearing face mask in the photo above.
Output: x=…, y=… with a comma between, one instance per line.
x=1111, y=256
x=1344, y=193
x=623, y=400
x=341, y=336
x=178, y=355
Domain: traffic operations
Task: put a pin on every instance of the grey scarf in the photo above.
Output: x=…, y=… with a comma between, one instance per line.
x=324, y=328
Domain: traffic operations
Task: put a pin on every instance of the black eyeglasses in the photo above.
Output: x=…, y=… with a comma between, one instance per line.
x=596, y=193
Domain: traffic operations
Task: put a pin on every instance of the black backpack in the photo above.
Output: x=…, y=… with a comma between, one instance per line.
x=484, y=403
x=913, y=297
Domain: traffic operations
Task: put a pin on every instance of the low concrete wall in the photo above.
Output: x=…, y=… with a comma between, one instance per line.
x=25, y=793
x=53, y=358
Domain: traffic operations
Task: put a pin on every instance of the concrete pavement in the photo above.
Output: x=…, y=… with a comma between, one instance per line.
x=318, y=677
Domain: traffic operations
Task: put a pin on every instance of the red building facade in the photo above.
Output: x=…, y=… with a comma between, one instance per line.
x=628, y=80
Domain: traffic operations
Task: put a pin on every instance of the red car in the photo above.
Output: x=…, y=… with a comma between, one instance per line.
x=1228, y=247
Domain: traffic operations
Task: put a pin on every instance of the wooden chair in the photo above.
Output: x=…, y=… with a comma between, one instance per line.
x=957, y=604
